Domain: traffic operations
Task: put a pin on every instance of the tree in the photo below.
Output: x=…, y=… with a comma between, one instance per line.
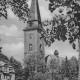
x=74, y=62
x=17, y=68
x=69, y=69
x=3, y=6
x=40, y=76
x=65, y=69
x=74, y=68
x=65, y=27
x=19, y=7
x=54, y=67
x=30, y=66
x=34, y=64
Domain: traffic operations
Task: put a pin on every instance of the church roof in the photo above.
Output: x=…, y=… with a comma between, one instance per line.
x=3, y=58
x=34, y=20
x=33, y=28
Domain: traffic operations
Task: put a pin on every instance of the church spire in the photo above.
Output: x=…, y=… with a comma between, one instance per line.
x=34, y=20
x=34, y=11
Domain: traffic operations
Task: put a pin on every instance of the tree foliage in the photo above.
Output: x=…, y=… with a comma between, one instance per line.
x=19, y=7
x=34, y=64
x=30, y=67
x=39, y=76
x=74, y=67
x=65, y=68
x=54, y=68
x=64, y=26
x=3, y=6
x=17, y=68
x=69, y=69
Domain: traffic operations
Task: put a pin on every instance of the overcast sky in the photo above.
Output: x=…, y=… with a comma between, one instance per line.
x=12, y=35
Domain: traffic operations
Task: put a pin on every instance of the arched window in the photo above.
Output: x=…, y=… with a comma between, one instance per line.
x=40, y=47
x=30, y=47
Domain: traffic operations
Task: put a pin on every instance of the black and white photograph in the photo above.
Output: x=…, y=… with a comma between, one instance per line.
x=39, y=39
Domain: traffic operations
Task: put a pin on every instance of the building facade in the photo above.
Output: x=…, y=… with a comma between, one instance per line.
x=6, y=71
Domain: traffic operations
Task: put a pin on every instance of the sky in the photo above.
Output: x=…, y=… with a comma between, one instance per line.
x=12, y=35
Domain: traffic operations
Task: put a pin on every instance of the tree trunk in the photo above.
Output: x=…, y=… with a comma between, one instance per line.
x=79, y=58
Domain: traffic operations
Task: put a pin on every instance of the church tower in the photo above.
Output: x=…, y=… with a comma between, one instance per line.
x=33, y=42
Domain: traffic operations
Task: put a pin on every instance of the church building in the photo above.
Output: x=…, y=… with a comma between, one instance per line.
x=33, y=41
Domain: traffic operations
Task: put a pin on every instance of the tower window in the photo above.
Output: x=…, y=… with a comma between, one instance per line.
x=30, y=47
x=40, y=47
x=30, y=36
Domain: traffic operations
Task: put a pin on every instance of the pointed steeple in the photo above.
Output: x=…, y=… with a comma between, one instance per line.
x=35, y=12
x=34, y=20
